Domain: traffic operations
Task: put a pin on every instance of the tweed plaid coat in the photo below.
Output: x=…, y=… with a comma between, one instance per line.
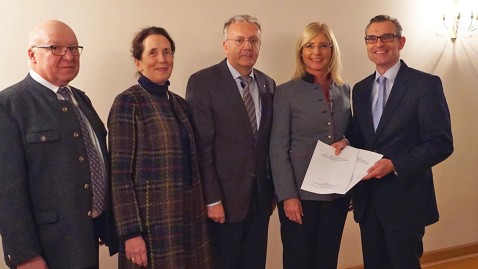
x=150, y=195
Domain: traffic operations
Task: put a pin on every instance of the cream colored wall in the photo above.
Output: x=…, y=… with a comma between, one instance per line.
x=106, y=28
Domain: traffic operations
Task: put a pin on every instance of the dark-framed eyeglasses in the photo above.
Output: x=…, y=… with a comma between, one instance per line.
x=255, y=42
x=61, y=50
x=371, y=39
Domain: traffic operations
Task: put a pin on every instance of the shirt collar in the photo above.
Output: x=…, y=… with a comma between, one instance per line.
x=235, y=74
x=308, y=77
x=44, y=82
x=391, y=73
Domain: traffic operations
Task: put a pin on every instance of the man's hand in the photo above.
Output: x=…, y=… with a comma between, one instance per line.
x=293, y=210
x=36, y=262
x=380, y=169
x=135, y=249
x=216, y=213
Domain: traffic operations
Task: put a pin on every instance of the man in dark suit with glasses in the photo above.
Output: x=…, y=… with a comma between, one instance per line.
x=401, y=113
x=231, y=105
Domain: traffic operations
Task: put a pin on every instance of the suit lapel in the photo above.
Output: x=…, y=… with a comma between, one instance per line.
x=93, y=119
x=396, y=95
x=266, y=102
x=363, y=103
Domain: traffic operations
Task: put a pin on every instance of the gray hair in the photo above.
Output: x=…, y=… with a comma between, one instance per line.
x=241, y=18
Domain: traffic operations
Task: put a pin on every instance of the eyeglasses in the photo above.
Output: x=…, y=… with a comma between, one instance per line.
x=321, y=46
x=61, y=50
x=255, y=42
x=371, y=39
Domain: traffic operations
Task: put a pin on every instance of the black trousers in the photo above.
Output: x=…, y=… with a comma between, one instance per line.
x=385, y=249
x=241, y=245
x=316, y=242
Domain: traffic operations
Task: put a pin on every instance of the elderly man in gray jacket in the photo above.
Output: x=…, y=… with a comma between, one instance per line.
x=54, y=202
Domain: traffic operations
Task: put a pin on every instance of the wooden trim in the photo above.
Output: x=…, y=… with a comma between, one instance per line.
x=355, y=267
x=443, y=254
x=449, y=253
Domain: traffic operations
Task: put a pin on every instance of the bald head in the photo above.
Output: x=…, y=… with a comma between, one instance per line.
x=47, y=30
x=56, y=69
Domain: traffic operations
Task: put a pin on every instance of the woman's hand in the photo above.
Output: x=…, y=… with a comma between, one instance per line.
x=135, y=249
x=339, y=146
x=293, y=210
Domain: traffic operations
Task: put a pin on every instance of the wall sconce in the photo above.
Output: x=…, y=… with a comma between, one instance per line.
x=457, y=23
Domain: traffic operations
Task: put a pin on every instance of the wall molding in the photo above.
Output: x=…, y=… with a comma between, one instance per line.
x=449, y=253
x=443, y=254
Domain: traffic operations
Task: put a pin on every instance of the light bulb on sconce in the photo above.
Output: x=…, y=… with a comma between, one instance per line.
x=456, y=24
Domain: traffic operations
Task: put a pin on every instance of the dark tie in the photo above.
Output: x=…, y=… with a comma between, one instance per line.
x=249, y=102
x=381, y=100
x=97, y=176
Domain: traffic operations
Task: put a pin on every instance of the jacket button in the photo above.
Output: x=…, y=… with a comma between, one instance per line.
x=9, y=257
x=64, y=109
x=329, y=123
x=42, y=138
x=329, y=136
x=90, y=213
x=87, y=186
x=81, y=159
x=76, y=134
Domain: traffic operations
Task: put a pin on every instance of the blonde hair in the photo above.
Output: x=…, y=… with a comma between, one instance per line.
x=309, y=33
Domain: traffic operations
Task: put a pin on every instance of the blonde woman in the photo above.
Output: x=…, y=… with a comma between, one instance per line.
x=314, y=105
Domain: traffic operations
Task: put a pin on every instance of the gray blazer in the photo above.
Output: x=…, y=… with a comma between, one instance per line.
x=45, y=196
x=301, y=117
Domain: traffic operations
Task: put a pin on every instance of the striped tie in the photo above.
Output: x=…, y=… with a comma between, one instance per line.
x=97, y=177
x=249, y=103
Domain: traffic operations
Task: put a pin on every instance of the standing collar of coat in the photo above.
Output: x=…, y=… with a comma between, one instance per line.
x=152, y=88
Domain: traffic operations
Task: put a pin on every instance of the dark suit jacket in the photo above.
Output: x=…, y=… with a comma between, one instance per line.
x=415, y=134
x=44, y=199
x=232, y=163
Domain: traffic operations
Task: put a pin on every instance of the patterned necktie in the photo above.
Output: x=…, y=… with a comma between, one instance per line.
x=381, y=100
x=249, y=102
x=97, y=177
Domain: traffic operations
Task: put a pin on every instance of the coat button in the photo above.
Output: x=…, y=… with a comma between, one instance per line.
x=329, y=136
x=329, y=123
x=64, y=109
x=76, y=134
x=9, y=257
x=43, y=138
x=81, y=159
x=90, y=213
x=87, y=186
